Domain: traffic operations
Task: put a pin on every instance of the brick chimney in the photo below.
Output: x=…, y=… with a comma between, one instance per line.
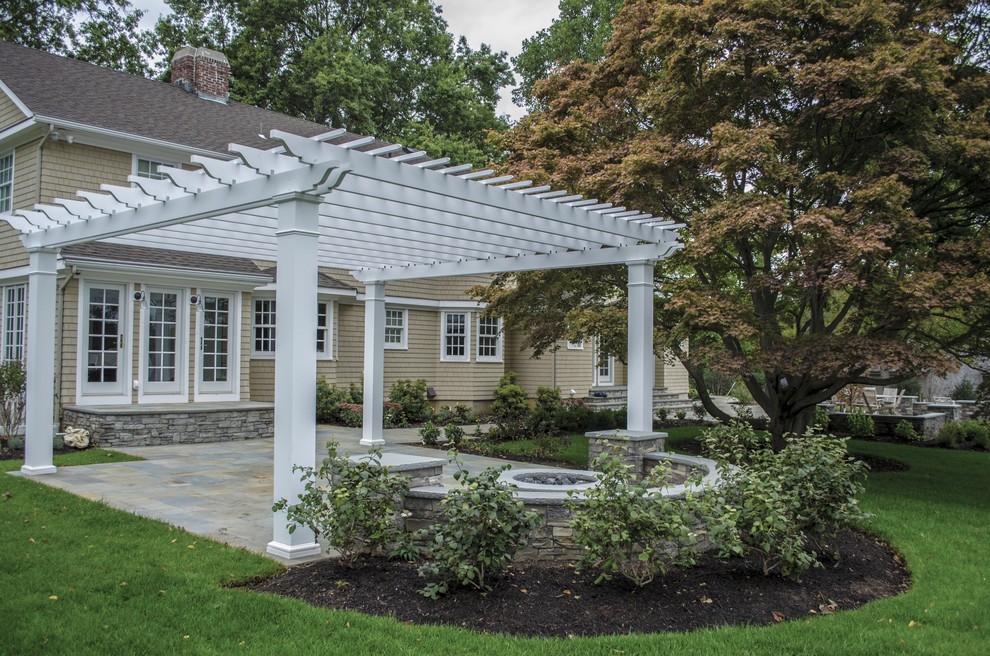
x=202, y=71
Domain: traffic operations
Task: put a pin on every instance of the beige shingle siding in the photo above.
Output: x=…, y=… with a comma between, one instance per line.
x=245, y=359
x=69, y=168
x=263, y=380
x=441, y=289
x=67, y=330
x=9, y=113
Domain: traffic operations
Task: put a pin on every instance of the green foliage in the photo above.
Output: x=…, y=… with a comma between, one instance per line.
x=13, y=381
x=430, y=433
x=454, y=435
x=511, y=400
x=626, y=529
x=384, y=68
x=975, y=431
x=102, y=32
x=330, y=399
x=963, y=391
x=411, y=397
x=950, y=435
x=860, y=424
x=662, y=414
x=784, y=500
x=459, y=414
x=821, y=418
x=482, y=524
x=905, y=430
x=356, y=506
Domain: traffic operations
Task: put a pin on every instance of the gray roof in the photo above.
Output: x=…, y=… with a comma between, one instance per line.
x=161, y=258
x=71, y=90
x=323, y=280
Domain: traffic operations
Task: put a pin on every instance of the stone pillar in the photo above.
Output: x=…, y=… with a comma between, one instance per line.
x=374, y=363
x=40, y=409
x=628, y=446
x=640, y=349
x=295, y=363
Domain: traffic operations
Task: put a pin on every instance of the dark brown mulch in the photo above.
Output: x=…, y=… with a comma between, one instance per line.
x=17, y=452
x=552, y=600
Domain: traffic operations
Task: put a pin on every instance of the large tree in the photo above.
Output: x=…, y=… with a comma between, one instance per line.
x=831, y=161
x=104, y=32
x=580, y=32
x=383, y=67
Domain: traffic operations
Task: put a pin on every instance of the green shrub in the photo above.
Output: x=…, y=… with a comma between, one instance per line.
x=735, y=443
x=698, y=410
x=963, y=391
x=821, y=418
x=950, y=435
x=454, y=435
x=905, y=430
x=13, y=381
x=356, y=506
x=511, y=400
x=662, y=414
x=860, y=424
x=430, y=434
x=411, y=396
x=975, y=431
x=625, y=529
x=482, y=524
x=741, y=394
x=335, y=405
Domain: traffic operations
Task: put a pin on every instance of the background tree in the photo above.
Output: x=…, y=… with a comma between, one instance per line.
x=580, y=32
x=104, y=32
x=385, y=68
x=830, y=161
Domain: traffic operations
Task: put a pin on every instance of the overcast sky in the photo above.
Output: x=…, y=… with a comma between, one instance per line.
x=503, y=24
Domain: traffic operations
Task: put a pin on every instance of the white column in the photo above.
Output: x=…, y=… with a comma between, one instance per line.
x=39, y=422
x=374, y=363
x=295, y=363
x=640, y=353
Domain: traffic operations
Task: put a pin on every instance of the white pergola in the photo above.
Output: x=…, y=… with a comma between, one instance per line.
x=337, y=201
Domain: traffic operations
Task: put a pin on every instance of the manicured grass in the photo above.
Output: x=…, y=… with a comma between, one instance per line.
x=575, y=452
x=77, y=577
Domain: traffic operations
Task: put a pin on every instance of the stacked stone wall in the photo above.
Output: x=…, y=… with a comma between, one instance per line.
x=187, y=426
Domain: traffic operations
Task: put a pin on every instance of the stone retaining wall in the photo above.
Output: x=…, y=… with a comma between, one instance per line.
x=186, y=426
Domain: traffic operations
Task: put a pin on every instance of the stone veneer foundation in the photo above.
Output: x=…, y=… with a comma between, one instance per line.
x=180, y=423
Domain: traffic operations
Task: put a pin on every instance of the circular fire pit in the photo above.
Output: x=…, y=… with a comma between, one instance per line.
x=556, y=480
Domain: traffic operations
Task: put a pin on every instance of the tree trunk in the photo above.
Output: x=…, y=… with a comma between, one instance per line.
x=784, y=424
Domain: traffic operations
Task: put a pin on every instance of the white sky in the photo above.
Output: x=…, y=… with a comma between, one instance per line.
x=503, y=24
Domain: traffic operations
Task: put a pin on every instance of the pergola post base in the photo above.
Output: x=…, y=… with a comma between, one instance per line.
x=38, y=471
x=293, y=551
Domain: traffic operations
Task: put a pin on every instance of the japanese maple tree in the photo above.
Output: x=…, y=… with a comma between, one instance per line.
x=830, y=163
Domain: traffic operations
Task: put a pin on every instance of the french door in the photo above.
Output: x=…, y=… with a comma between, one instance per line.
x=104, y=328
x=217, y=340
x=163, y=346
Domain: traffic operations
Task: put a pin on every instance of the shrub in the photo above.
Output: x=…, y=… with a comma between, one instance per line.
x=680, y=414
x=742, y=395
x=963, y=391
x=356, y=506
x=482, y=525
x=411, y=397
x=698, y=410
x=975, y=431
x=950, y=435
x=430, y=434
x=459, y=414
x=330, y=399
x=904, y=430
x=454, y=435
x=511, y=401
x=821, y=418
x=735, y=443
x=860, y=424
x=662, y=414
x=13, y=380
x=625, y=529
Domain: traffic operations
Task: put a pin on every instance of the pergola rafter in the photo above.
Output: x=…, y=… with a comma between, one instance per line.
x=378, y=210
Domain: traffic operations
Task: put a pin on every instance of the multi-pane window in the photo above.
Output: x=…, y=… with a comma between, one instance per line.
x=216, y=338
x=575, y=346
x=14, y=322
x=395, y=329
x=264, y=327
x=489, y=339
x=148, y=168
x=455, y=337
x=324, y=347
x=163, y=326
x=6, y=181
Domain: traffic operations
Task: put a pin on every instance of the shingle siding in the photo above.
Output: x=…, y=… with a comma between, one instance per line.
x=9, y=112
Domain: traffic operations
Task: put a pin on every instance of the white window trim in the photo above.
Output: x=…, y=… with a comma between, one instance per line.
x=123, y=395
x=12, y=171
x=181, y=392
x=270, y=355
x=3, y=321
x=498, y=341
x=403, y=345
x=443, y=338
x=575, y=346
x=255, y=354
x=137, y=156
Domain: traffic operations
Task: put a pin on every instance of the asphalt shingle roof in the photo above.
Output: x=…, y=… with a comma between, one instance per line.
x=71, y=90
x=158, y=257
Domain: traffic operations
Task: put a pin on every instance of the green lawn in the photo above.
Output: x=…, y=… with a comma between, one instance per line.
x=80, y=578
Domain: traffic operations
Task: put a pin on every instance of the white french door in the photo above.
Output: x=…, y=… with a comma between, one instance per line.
x=104, y=326
x=164, y=350
x=604, y=369
x=217, y=347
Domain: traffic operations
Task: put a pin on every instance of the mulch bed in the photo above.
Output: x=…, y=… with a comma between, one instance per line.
x=549, y=599
x=17, y=453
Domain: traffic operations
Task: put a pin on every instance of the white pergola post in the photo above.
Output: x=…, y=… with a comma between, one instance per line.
x=295, y=363
x=38, y=429
x=374, y=363
x=640, y=349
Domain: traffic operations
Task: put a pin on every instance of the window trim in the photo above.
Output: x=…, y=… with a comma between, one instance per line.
x=403, y=344
x=154, y=160
x=498, y=340
x=327, y=354
x=444, y=356
x=575, y=346
x=4, y=155
x=4, y=346
x=255, y=353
